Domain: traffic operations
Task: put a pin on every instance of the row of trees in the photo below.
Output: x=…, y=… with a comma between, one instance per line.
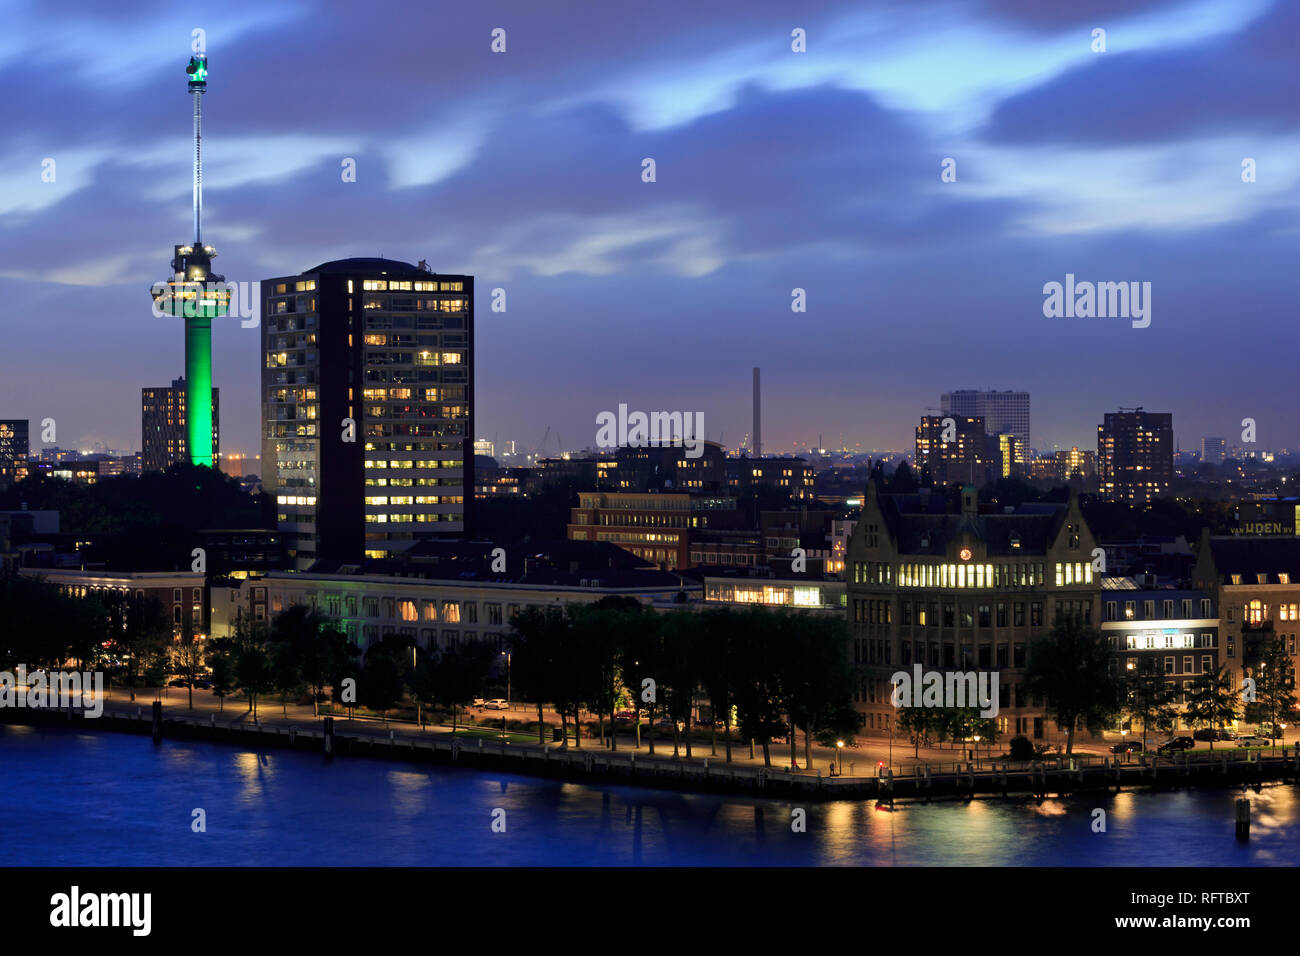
x=926, y=725
x=766, y=672
x=128, y=638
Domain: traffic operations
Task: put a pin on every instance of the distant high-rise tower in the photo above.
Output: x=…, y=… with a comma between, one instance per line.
x=758, y=417
x=969, y=455
x=196, y=294
x=164, y=426
x=1135, y=455
x=1213, y=449
x=367, y=407
x=13, y=450
x=1003, y=412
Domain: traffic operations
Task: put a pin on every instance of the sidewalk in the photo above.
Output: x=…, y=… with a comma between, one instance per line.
x=857, y=761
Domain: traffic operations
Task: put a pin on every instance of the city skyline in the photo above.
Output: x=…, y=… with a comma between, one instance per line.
x=537, y=189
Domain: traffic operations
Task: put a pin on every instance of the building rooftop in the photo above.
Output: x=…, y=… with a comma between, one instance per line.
x=928, y=529
x=1251, y=556
x=366, y=264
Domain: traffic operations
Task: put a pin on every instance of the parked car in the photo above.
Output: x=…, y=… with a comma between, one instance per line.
x=1209, y=733
x=476, y=702
x=178, y=682
x=496, y=703
x=203, y=685
x=625, y=715
x=1176, y=744
x=1252, y=740
x=1127, y=747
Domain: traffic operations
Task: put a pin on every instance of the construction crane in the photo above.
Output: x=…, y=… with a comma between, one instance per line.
x=542, y=444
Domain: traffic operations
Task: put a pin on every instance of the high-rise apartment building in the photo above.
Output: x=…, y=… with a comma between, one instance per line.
x=13, y=450
x=164, y=429
x=967, y=455
x=1135, y=455
x=367, y=407
x=1213, y=449
x=1003, y=412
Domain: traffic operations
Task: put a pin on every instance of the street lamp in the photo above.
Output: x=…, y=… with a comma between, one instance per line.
x=977, y=746
x=839, y=746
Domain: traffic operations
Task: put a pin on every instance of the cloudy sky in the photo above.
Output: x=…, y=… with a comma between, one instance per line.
x=775, y=170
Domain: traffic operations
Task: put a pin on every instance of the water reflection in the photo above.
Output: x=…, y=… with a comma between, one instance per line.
x=127, y=801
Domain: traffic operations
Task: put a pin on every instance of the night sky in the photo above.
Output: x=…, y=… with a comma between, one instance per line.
x=775, y=170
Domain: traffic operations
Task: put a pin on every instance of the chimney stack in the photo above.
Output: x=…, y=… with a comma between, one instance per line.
x=758, y=418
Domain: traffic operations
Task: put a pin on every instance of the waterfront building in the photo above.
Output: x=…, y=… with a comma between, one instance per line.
x=439, y=594
x=367, y=407
x=1255, y=582
x=181, y=593
x=1179, y=627
x=962, y=592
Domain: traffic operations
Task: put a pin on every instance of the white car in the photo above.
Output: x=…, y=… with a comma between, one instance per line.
x=495, y=704
x=1251, y=740
x=476, y=702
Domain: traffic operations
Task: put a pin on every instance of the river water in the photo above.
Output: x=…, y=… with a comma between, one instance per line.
x=72, y=798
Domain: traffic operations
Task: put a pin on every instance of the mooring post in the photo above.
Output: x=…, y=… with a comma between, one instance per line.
x=157, y=721
x=1243, y=819
x=329, y=737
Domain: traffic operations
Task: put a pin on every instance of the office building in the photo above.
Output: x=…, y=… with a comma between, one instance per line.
x=442, y=594
x=1135, y=455
x=1003, y=412
x=164, y=428
x=656, y=526
x=1072, y=465
x=1213, y=450
x=367, y=407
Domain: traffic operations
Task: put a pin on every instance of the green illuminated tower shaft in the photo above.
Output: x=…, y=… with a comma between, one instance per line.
x=196, y=294
x=198, y=388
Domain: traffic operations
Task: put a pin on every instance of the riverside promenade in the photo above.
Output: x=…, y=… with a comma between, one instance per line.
x=479, y=747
